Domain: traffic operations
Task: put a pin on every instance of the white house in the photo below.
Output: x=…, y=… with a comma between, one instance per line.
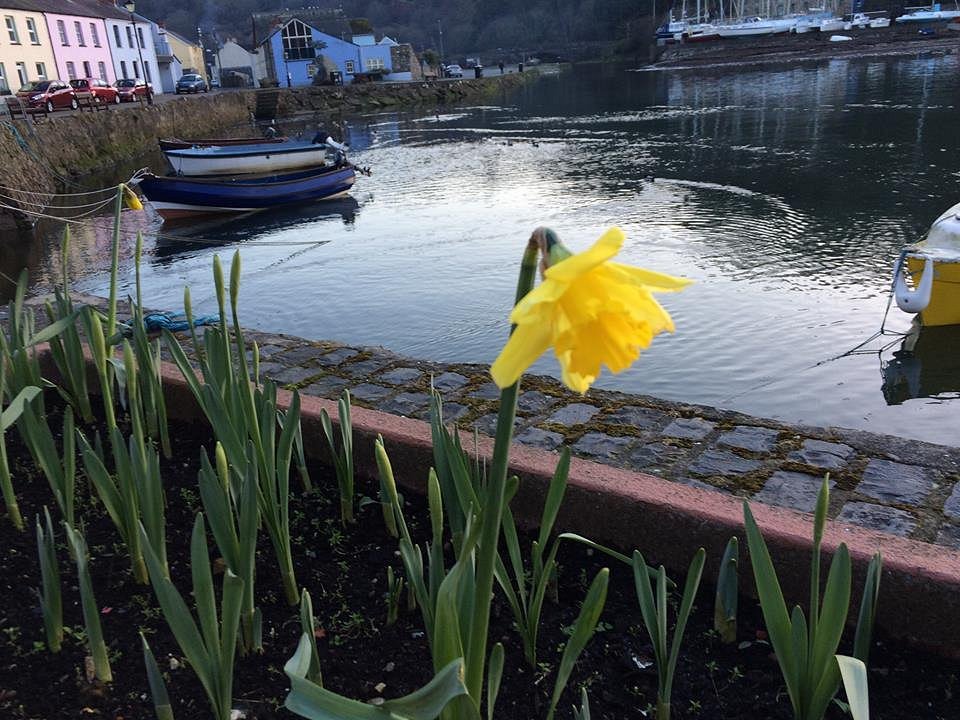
x=132, y=47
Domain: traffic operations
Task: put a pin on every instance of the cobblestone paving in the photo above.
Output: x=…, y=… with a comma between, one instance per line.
x=896, y=485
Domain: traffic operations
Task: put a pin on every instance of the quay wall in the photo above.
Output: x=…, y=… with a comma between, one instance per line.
x=45, y=157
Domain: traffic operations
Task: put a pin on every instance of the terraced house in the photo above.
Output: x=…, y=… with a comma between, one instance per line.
x=132, y=46
x=26, y=53
x=79, y=37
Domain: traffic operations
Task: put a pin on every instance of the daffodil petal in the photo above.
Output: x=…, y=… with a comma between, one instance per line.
x=573, y=267
x=655, y=281
x=526, y=344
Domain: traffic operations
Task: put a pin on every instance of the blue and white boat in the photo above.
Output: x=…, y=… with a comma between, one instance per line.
x=262, y=157
x=176, y=197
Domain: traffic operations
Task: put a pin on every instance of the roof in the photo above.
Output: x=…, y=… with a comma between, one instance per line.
x=82, y=8
x=331, y=22
x=179, y=37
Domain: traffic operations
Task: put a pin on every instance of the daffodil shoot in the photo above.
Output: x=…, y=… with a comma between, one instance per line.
x=590, y=310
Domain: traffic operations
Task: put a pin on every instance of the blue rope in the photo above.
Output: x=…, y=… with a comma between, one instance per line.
x=175, y=322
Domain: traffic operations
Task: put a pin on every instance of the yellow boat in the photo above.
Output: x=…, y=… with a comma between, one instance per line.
x=933, y=266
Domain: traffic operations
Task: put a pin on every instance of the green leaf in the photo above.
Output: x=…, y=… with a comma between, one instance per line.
x=316, y=703
x=854, y=674
x=494, y=675
x=868, y=609
x=13, y=411
x=583, y=630
x=772, y=604
x=158, y=688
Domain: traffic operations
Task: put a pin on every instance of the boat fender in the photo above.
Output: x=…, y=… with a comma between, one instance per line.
x=914, y=301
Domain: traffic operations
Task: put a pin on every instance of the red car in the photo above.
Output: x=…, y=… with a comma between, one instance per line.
x=51, y=94
x=128, y=88
x=102, y=91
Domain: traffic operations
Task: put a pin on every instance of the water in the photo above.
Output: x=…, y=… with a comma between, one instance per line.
x=785, y=192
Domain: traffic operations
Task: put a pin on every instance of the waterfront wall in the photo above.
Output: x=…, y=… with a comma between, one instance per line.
x=44, y=157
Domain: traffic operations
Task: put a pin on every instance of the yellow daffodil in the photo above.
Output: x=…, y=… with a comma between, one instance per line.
x=130, y=198
x=592, y=312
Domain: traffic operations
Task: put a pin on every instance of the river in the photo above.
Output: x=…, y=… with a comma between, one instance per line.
x=785, y=192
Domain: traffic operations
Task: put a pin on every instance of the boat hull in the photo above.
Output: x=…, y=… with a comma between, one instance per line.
x=178, y=144
x=178, y=197
x=261, y=158
x=944, y=306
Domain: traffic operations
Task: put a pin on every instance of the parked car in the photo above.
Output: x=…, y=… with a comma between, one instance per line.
x=191, y=84
x=51, y=94
x=102, y=91
x=453, y=71
x=129, y=89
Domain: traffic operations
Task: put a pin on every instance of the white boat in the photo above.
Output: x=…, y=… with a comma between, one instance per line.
x=930, y=14
x=701, y=32
x=880, y=22
x=747, y=27
x=933, y=265
x=784, y=24
x=240, y=159
x=808, y=23
x=857, y=22
x=831, y=24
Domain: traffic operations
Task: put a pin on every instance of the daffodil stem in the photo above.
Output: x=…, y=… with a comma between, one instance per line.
x=492, y=511
x=114, y=264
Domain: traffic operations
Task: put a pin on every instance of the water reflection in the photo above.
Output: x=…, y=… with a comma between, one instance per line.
x=186, y=237
x=927, y=365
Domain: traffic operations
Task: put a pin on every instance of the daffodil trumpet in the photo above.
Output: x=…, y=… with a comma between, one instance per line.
x=590, y=310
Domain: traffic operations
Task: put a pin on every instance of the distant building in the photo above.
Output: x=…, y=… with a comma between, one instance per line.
x=189, y=54
x=298, y=47
x=169, y=67
x=233, y=60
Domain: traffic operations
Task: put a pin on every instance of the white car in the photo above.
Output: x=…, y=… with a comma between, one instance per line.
x=454, y=71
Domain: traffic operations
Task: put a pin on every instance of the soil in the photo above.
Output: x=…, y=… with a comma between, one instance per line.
x=345, y=572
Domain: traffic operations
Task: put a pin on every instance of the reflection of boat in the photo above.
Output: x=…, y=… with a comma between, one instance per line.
x=178, y=144
x=187, y=235
x=174, y=196
x=926, y=365
x=258, y=158
x=933, y=265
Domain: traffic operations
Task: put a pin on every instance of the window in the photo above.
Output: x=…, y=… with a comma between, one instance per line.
x=298, y=41
x=86, y=69
x=123, y=68
x=349, y=67
x=79, y=30
x=71, y=71
x=116, y=35
x=32, y=31
x=375, y=63
x=41, y=71
x=3, y=79
x=136, y=69
x=103, y=71
x=22, y=73
x=94, y=35
x=12, y=29
x=129, y=36
x=146, y=71
x=62, y=29
x=140, y=37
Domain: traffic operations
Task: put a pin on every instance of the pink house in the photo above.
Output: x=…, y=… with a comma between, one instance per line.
x=78, y=35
